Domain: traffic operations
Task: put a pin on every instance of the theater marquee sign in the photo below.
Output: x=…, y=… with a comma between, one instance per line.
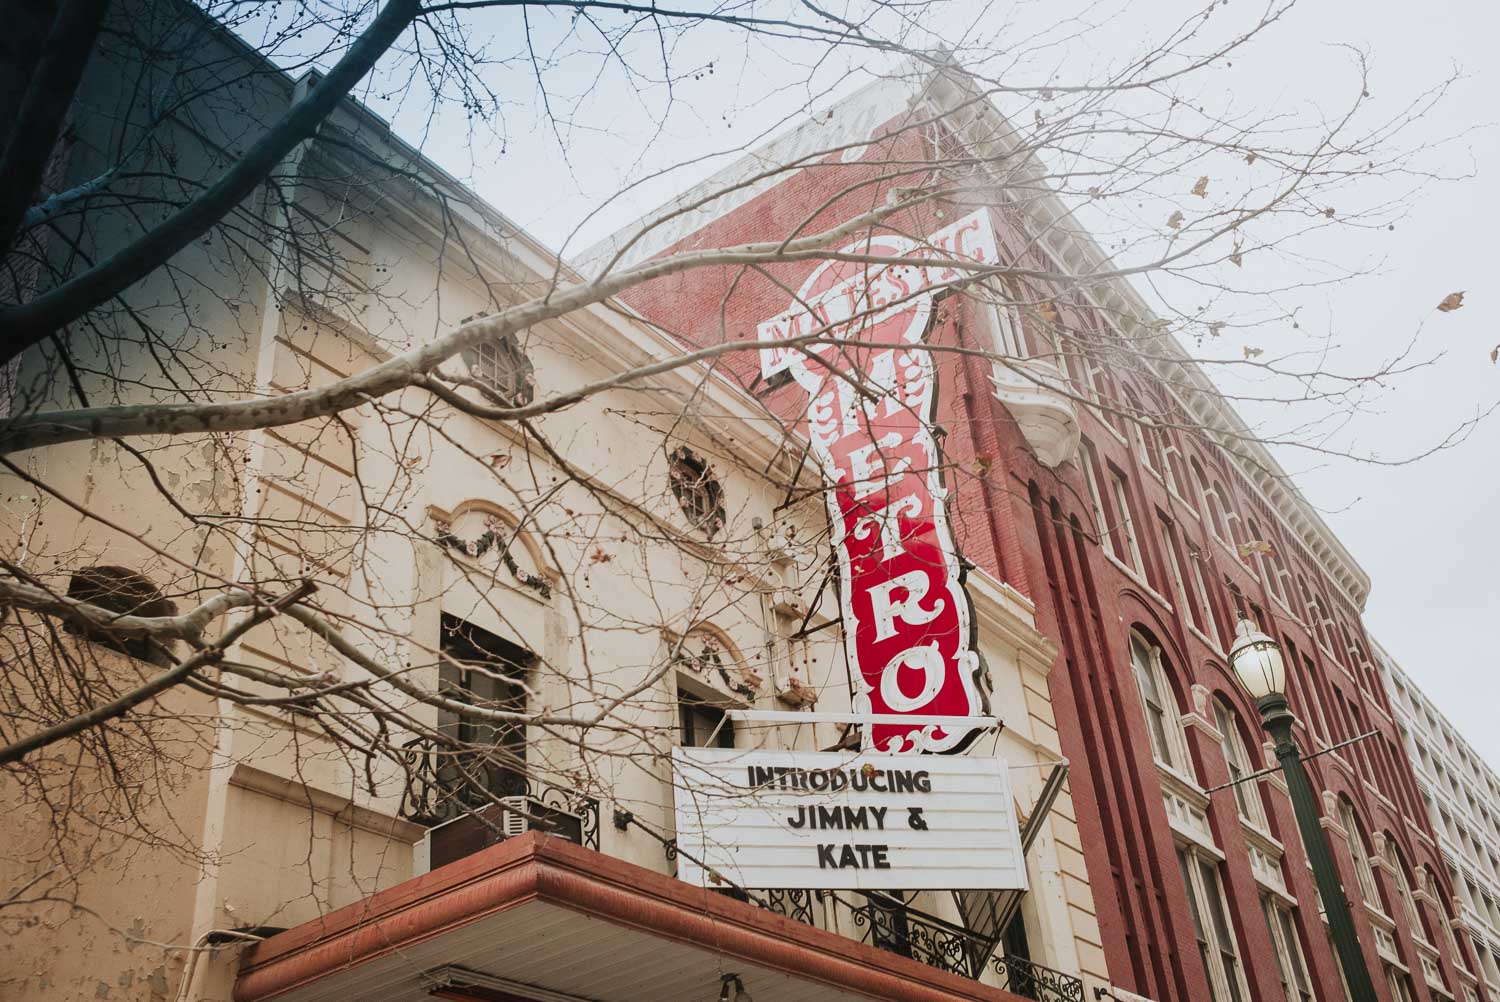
x=907, y=620
x=839, y=820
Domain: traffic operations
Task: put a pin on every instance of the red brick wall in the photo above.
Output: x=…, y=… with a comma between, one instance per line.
x=1032, y=527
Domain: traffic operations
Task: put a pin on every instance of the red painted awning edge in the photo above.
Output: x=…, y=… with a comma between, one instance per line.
x=541, y=867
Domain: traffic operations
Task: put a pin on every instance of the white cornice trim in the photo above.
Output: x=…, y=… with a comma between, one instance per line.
x=1075, y=251
x=1011, y=617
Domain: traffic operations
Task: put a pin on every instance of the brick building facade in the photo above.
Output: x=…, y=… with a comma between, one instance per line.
x=1124, y=497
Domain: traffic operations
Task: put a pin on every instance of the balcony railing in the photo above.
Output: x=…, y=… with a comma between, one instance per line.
x=953, y=948
x=794, y=904
x=443, y=785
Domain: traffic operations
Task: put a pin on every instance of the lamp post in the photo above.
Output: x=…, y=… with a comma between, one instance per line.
x=1258, y=664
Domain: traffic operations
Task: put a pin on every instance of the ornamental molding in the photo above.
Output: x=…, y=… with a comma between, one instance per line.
x=1199, y=717
x=1073, y=250
x=705, y=653
x=1008, y=619
x=1187, y=810
x=1032, y=391
x=1265, y=861
x=499, y=532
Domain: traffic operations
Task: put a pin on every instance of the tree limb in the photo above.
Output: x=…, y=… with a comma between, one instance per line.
x=24, y=325
x=38, y=122
x=166, y=680
x=187, y=626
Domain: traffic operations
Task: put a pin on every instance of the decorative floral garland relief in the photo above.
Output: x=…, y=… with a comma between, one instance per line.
x=710, y=659
x=486, y=541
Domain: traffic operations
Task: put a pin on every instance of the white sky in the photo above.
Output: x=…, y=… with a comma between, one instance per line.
x=1424, y=532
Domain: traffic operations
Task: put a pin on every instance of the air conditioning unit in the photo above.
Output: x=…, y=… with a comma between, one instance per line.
x=490, y=825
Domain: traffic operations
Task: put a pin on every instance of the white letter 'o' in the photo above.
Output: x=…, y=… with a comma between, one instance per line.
x=929, y=661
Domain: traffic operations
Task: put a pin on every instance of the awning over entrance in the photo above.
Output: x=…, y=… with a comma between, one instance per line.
x=541, y=913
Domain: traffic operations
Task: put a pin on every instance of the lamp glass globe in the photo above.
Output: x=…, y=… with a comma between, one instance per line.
x=1257, y=661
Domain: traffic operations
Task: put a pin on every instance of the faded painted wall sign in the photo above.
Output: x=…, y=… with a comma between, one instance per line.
x=907, y=619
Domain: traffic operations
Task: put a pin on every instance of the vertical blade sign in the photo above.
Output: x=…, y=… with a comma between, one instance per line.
x=871, y=402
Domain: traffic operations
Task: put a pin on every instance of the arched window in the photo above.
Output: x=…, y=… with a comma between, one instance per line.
x=1265, y=555
x=1232, y=742
x=1145, y=432
x=1173, y=469
x=1162, y=724
x=502, y=368
x=1285, y=929
x=1313, y=610
x=1213, y=503
x=1222, y=498
x=1397, y=867
x=698, y=491
x=1445, y=918
x=1217, y=946
x=1009, y=341
x=124, y=592
x=1198, y=577
x=1358, y=845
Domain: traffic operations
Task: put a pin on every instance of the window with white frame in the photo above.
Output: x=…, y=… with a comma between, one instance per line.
x=1089, y=460
x=1354, y=838
x=1147, y=439
x=1334, y=950
x=1445, y=919
x=1211, y=927
x=1400, y=984
x=1172, y=556
x=1403, y=888
x=1219, y=513
x=1246, y=794
x=1291, y=964
x=503, y=368
x=1213, y=503
x=1265, y=557
x=1129, y=549
x=1090, y=368
x=1200, y=592
x=1171, y=460
x=1156, y=699
x=1009, y=340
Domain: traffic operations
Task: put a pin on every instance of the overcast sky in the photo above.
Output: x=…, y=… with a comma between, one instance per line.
x=1425, y=532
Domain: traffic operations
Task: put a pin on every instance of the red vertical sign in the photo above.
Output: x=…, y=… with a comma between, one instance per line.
x=907, y=619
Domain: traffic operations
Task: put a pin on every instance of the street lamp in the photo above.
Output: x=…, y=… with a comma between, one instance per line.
x=1258, y=664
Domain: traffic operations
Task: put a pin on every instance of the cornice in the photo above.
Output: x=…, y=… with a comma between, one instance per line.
x=1011, y=617
x=1075, y=252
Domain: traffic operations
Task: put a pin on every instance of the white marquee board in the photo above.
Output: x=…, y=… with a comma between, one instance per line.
x=846, y=820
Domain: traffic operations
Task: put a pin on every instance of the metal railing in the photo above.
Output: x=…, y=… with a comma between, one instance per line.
x=948, y=947
x=794, y=904
x=442, y=785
